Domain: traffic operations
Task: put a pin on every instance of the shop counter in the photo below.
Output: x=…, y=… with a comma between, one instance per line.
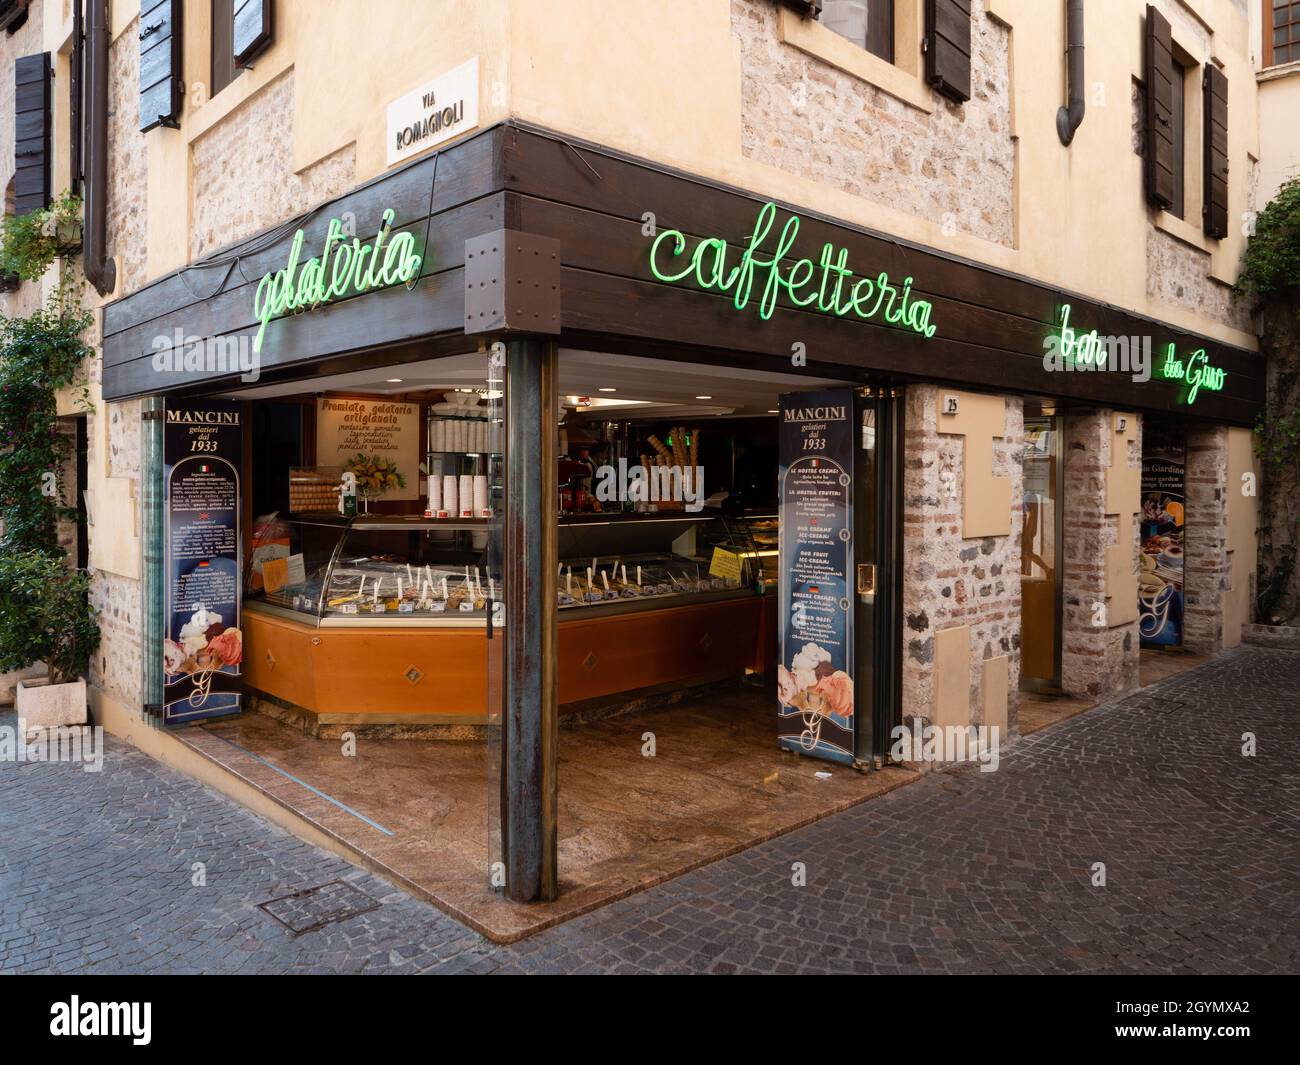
x=437, y=673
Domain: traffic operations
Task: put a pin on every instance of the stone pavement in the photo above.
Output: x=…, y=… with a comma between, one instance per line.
x=961, y=872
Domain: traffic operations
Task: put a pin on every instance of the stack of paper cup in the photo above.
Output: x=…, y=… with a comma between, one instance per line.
x=435, y=494
x=466, y=496
x=449, y=504
x=481, y=497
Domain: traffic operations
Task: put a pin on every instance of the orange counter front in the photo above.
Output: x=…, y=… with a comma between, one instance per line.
x=439, y=675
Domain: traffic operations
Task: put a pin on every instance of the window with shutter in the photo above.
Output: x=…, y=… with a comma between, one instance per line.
x=1215, y=185
x=948, y=47
x=1158, y=145
x=162, y=89
x=31, y=133
x=810, y=8
x=252, y=29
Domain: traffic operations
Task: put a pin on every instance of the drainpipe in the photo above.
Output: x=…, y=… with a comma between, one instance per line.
x=100, y=269
x=1069, y=119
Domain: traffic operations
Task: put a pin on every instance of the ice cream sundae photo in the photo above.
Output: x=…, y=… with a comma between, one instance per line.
x=814, y=688
x=204, y=645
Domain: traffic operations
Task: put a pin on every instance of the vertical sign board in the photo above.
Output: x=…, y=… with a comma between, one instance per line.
x=815, y=675
x=1160, y=578
x=202, y=640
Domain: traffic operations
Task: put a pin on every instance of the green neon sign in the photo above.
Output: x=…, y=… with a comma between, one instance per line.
x=1195, y=371
x=1095, y=352
x=1082, y=349
x=828, y=286
x=340, y=269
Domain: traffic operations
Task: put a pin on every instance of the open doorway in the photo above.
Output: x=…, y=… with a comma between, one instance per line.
x=367, y=656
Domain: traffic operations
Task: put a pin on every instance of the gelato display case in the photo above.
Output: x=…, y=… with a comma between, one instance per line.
x=382, y=618
x=374, y=570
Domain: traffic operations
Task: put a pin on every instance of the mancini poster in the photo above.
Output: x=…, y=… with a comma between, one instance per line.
x=202, y=641
x=815, y=675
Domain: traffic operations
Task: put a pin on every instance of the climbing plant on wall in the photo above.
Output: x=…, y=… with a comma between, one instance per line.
x=40, y=355
x=1270, y=284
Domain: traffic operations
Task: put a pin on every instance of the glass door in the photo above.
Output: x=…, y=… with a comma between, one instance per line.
x=876, y=588
x=1040, y=554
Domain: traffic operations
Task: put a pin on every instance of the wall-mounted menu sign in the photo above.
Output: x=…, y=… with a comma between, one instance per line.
x=438, y=110
x=202, y=640
x=375, y=428
x=815, y=675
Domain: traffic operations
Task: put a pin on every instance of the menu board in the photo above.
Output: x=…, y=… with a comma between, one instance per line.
x=202, y=640
x=815, y=674
x=1160, y=578
x=381, y=428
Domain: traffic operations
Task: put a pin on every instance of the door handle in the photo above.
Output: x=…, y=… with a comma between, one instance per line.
x=867, y=578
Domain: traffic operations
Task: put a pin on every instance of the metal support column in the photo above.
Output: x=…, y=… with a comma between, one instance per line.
x=528, y=778
x=152, y=562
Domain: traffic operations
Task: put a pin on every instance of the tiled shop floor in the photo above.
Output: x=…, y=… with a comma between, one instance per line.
x=417, y=810
x=139, y=868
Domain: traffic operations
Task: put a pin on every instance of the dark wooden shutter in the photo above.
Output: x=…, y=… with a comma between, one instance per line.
x=807, y=8
x=162, y=89
x=252, y=28
x=13, y=15
x=1158, y=144
x=32, y=120
x=1215, y=184
x=948, y=47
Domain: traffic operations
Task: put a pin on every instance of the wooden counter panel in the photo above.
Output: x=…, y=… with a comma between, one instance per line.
x=364, y=671
x=603, y=656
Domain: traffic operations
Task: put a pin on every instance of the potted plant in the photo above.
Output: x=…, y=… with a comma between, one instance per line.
x=46, y=616
x=30, y=242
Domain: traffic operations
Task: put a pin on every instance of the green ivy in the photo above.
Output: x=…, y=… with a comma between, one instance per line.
x=39, y=355
x=1269, y=282
x=29, y=243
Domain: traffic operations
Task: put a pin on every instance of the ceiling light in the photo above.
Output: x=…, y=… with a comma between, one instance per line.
x=703, y=397
x=394, y=380
x=609, y=390
x=774, y=412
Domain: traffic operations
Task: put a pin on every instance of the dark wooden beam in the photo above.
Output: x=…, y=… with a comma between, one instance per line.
x=530, y=731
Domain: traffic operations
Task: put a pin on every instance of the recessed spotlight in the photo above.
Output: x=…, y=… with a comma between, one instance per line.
x=609, y=389
x=774, y=412
x=703, y=397
x=394, y=380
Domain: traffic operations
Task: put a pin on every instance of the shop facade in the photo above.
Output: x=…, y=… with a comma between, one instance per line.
x=974, y=566
x=761, y=211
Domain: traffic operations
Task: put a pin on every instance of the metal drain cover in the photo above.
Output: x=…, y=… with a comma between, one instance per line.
x=313, y=908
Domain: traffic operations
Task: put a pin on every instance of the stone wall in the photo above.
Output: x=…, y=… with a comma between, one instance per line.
x=1206, y=572
x=949, y=580
x=243, y=172
x=1098, y=659
x=1179, y=274
x=806, y=117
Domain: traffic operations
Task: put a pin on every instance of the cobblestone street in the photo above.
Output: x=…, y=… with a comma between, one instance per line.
x=961, y=872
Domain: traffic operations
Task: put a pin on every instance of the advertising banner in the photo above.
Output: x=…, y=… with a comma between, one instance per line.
x=202, y=640
x=815, y=675
x=384, y=430
x=1160, y=579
